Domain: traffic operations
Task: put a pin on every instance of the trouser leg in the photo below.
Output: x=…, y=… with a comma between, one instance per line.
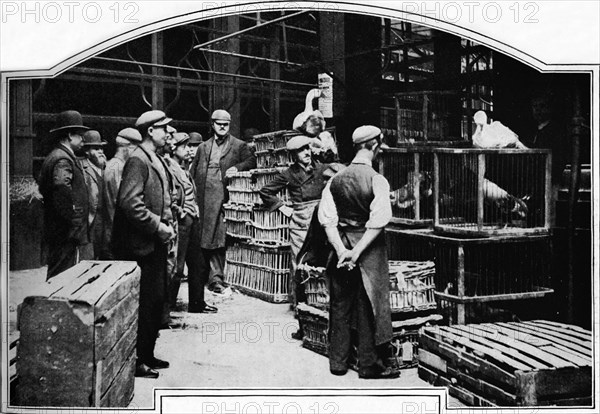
x=365, y=325
x=185, y=226
x=61, y=256
x=197, y=260
x=342, y=297
x=217, y=265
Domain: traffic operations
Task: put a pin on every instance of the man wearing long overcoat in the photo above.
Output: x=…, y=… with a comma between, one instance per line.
x=62, y=185
x=143, y=229
x=222, y=154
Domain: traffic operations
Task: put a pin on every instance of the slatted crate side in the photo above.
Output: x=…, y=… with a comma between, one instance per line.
x=315, y=325
x=410, y=174
x=243, y=196
x=266, y=257
x=316, y=285
x=408, y=244
x=470, y=186
x=273, y=140
x=271, y=227
x=263, y=283
x=411, y=286
x=238, y=220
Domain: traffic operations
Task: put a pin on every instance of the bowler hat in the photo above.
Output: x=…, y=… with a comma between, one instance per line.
x=365, y=133
x=180, y=138
x=298, y=142
x=152, y=118
x=92, y=138
x=195, y=138
x=130, y=134
x=68, y=120
x=221, y=115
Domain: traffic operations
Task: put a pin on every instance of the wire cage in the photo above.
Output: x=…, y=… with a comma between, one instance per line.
x=408, y=244
x=409, y=171
x=273, y=140
x=259, y=271
x=487, y=192
x=428, y=118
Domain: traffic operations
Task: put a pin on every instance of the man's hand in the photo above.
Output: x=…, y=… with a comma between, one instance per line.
x=286, y=210
x=165, y=232
x=348, y=259
x=231, y=171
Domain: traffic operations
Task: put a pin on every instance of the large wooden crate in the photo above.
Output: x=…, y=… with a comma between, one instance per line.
x=537, y=363
x=77, y=337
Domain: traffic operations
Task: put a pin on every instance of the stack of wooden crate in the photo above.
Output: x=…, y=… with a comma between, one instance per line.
x=77, y=338
x=258, y=259
x=537, y=363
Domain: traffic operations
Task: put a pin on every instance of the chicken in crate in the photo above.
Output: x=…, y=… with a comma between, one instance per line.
x=489, y=192
x=430, y=118
x=409, y=171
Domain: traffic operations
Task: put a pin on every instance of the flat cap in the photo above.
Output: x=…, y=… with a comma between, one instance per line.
x=130, y=134
x=298, y=142
x=180, y=138
x=195, y=138
x=221, y=115
x=92, y=138
x=365, y=133
x=151, y=118
x=171, y=130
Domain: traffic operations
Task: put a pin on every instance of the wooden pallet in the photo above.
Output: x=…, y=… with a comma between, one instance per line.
x=77, y=337
x=537, y=363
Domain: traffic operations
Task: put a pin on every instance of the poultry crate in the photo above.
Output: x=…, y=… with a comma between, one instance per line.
x=316, y=285
x=412, y=286
x=409, y=171
x=273, y=140
x=238, y=220
x=271, y=227
x=535, y=363
x=244, y=186
x=273, y=158
x=428, y=118
x=259, y=271
x=491, y=192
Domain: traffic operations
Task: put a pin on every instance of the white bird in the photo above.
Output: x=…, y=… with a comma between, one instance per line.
x=494, y=135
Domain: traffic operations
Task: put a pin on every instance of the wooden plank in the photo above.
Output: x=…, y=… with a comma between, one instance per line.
x=574, y=328
x=585, y=337
x=529, y=351
x=113, y=362
x=572, y=402
x=427, y=358
x=55, y=353
x=551, y=336
x=72, y=287
x=483, y=350
x=565, y=382
x=470, y=362
x=115, y=323
x=462, y=394
x=120, y=392
x=542, y=343
x=56, y=283
x=481, y=387
x=117, y=280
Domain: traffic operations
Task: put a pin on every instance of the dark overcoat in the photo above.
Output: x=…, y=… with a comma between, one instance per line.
x=237, y=154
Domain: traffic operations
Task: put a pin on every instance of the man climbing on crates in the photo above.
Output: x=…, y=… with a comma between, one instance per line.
x=354, y=210
x=305, y=181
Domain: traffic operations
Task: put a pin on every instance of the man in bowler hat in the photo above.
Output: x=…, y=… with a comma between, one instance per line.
x=62, y=184
x=143, y=230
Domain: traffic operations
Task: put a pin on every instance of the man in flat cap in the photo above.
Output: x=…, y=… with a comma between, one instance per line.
x=143, y=230
x=126, y=141
x=195, y=140
x=354, y=210
x=222, y=154
x=305, y=181
x=93, y=165
x=62, y=184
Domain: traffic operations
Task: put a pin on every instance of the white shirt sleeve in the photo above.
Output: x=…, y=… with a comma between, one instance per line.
x=381, y=208
x=328, y=216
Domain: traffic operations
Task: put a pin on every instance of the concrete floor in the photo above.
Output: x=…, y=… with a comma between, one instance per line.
x=247, y=344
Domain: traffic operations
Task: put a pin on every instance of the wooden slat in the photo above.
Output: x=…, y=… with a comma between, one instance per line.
x=583, y=338
x=114, y=361
x=565, y=382
x=432, y=360
x=574, y=328
x=551, y=336
x=120, y=392
x=108, y=331
x=459, y=359
x=494, y=393
x=72, y=287
x=56, y=283
x=485, y=350
x=498, y=337
x=543, y=344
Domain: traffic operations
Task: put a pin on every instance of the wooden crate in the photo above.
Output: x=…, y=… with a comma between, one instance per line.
x=273, y=140
x=77, y=337
x=316, y=286
x=471, y=186
x=271, y=227
x=315, y=325
x=238, y=220
x=537, y=363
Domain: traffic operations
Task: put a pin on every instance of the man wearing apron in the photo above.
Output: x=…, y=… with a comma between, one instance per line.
x=220, y=155
x=354, y=210
x=305, y=181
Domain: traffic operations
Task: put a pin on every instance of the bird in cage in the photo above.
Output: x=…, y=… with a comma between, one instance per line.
x=494, y=135
x=404, y=197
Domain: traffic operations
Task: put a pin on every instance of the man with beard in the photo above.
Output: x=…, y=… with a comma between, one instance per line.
x=93, y=165
x=62, y=185
x=143, y=230
x=221, y=155
x=126, y=141
x=354, y=210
